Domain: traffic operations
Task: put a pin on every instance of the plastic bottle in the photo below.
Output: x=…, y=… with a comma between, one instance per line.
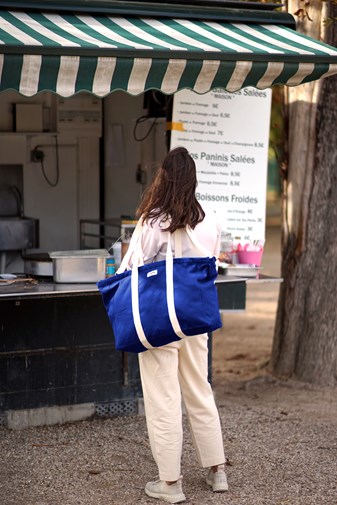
x=236, y=242
x=226, y=247
x=110, y=267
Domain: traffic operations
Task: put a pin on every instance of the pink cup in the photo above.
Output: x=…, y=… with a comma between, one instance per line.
x=250, y=257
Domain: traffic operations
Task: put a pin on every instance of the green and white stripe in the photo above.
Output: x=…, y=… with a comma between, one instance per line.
x=68, y=53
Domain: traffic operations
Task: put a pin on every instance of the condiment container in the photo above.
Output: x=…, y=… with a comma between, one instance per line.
x=110, y=267
x=226, y=248
x=79, y=266
x=117, y=253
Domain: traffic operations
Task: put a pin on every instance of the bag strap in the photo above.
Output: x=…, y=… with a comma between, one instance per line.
x=178, y=251
x=192, y=236
x=170, y=291
x=135, y=305
x=169, y=296
x=169, y=274
x=134, y=248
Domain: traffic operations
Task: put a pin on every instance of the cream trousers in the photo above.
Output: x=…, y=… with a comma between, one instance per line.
x=167, y=373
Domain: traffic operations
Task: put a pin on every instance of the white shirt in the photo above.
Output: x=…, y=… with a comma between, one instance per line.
x=154, y=239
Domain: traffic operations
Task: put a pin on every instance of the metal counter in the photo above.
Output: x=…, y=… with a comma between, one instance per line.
x=57, y=347
x=42, y=288
x=45, y=287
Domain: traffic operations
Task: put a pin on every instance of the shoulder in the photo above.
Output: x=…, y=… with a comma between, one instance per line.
x=153, y=230
x=157, y=224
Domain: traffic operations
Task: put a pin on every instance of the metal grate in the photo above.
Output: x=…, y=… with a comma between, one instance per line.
x=117, y=408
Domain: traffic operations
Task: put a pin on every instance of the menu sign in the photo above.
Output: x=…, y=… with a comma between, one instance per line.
x=227, y=134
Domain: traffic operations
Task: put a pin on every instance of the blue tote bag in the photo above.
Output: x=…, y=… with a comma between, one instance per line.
x=157, y=303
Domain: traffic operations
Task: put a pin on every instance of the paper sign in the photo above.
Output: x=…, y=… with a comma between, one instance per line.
x=227, y=134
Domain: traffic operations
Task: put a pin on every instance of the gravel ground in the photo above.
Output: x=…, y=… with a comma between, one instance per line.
x=280, y=439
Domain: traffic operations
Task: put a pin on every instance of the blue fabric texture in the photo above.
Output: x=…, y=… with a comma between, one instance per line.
x=195, y=299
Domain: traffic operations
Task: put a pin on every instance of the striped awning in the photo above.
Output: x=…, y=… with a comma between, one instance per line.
x=68, y=53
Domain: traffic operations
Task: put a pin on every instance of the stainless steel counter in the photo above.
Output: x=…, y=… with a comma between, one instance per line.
x=57, y=346
x=44, y=288
x=39, y=288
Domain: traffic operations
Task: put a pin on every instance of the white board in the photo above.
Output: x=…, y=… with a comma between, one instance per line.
x=227, y=134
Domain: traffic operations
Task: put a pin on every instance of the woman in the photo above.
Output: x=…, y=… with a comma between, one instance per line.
x=179, y=368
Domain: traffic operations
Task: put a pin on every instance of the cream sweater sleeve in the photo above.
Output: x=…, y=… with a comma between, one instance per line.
x=154, y=242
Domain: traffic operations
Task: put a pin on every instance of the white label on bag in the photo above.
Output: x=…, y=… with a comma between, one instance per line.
x=153, y=272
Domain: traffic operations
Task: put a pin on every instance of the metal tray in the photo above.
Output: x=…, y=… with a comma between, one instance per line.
x=38, y=264
x=238, y=270
x=79, y=266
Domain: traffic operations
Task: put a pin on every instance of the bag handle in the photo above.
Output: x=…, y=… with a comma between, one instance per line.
x=169, y=296
x=192, y=236
x=135, y=303
x=135, y=248
x=178, y=251
x=170, y=290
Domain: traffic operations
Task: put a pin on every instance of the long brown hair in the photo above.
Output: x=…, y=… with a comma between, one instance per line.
x=171, y=195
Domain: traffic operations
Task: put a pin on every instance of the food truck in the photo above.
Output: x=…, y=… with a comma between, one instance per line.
x=88, y=110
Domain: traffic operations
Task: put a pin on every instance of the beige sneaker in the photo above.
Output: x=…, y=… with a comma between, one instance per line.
x=171, y=494
x=218, y=479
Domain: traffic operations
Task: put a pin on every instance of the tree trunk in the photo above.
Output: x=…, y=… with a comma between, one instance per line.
x=305, y=339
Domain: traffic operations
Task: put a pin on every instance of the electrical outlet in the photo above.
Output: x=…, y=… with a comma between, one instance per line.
x=37, y=155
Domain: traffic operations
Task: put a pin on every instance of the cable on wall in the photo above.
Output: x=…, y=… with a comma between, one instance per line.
x=140, y=120
x=37, y=155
